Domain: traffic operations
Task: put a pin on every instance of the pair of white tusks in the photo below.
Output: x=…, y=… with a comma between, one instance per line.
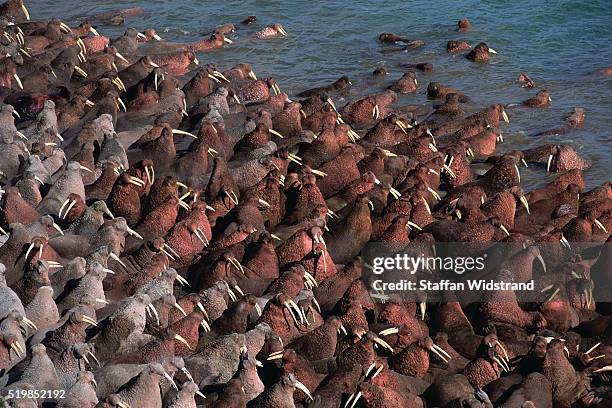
x=371, y=368
x=291, y=304
x=72, y=204
x=376, y=112
x=150, y=171
x=119, y=83
x=308, y=277
x=276, y=89
x=40, y=249
x=90, y=320
x=318, y=173
x=200, y=234
x=80, y=71
x=383, y=343
x=403, y=126
x=232, y=196
x=236, y=264
x=152, y=311
x=182, y=280
x=439, y=351
x=525, y=203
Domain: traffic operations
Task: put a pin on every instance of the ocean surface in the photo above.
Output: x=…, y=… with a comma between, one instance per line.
x=558, y=44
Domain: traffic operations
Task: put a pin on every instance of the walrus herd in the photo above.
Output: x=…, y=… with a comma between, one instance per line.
x=177, y=234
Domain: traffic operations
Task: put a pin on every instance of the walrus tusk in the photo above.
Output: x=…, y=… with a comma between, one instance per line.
x=396, y=194
x=413, y=225
x=167, y=254
x=434, y=193
x=220, y=75
x=64, y=27
x=437, y=352
x=134, y=233
x=154, y=311
x=589, y=351
x=201, y=233
x=205, y=326
x=171, y=380
x=122, y=104
x=492, y=51
x=123, y=404
x=390, y=330
x=121, y=57
x=80, y=71
x=16, y=347
x=525, y=203
x=600, y=225
x=25, y=11
x=58, y=229
x=275, y=133
x=187, y=373
x=182, y=132
x=59, y=213
x=90, y=320
x=331, y=103
x=182, y=280
x=422, y=305
x=356, y=396
x=116, y=258
x=227, y=40
x=383, y=343
x=304, y=389
x=426, y=204
x=197, y=234
x=18, y=80
x=180, y=308
x=311, y=278
x=518, y=173
x=505, y=116
x=181, y=339
x=136, y=181
x=565, y=242
x=550, y=157
x=275, y=356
